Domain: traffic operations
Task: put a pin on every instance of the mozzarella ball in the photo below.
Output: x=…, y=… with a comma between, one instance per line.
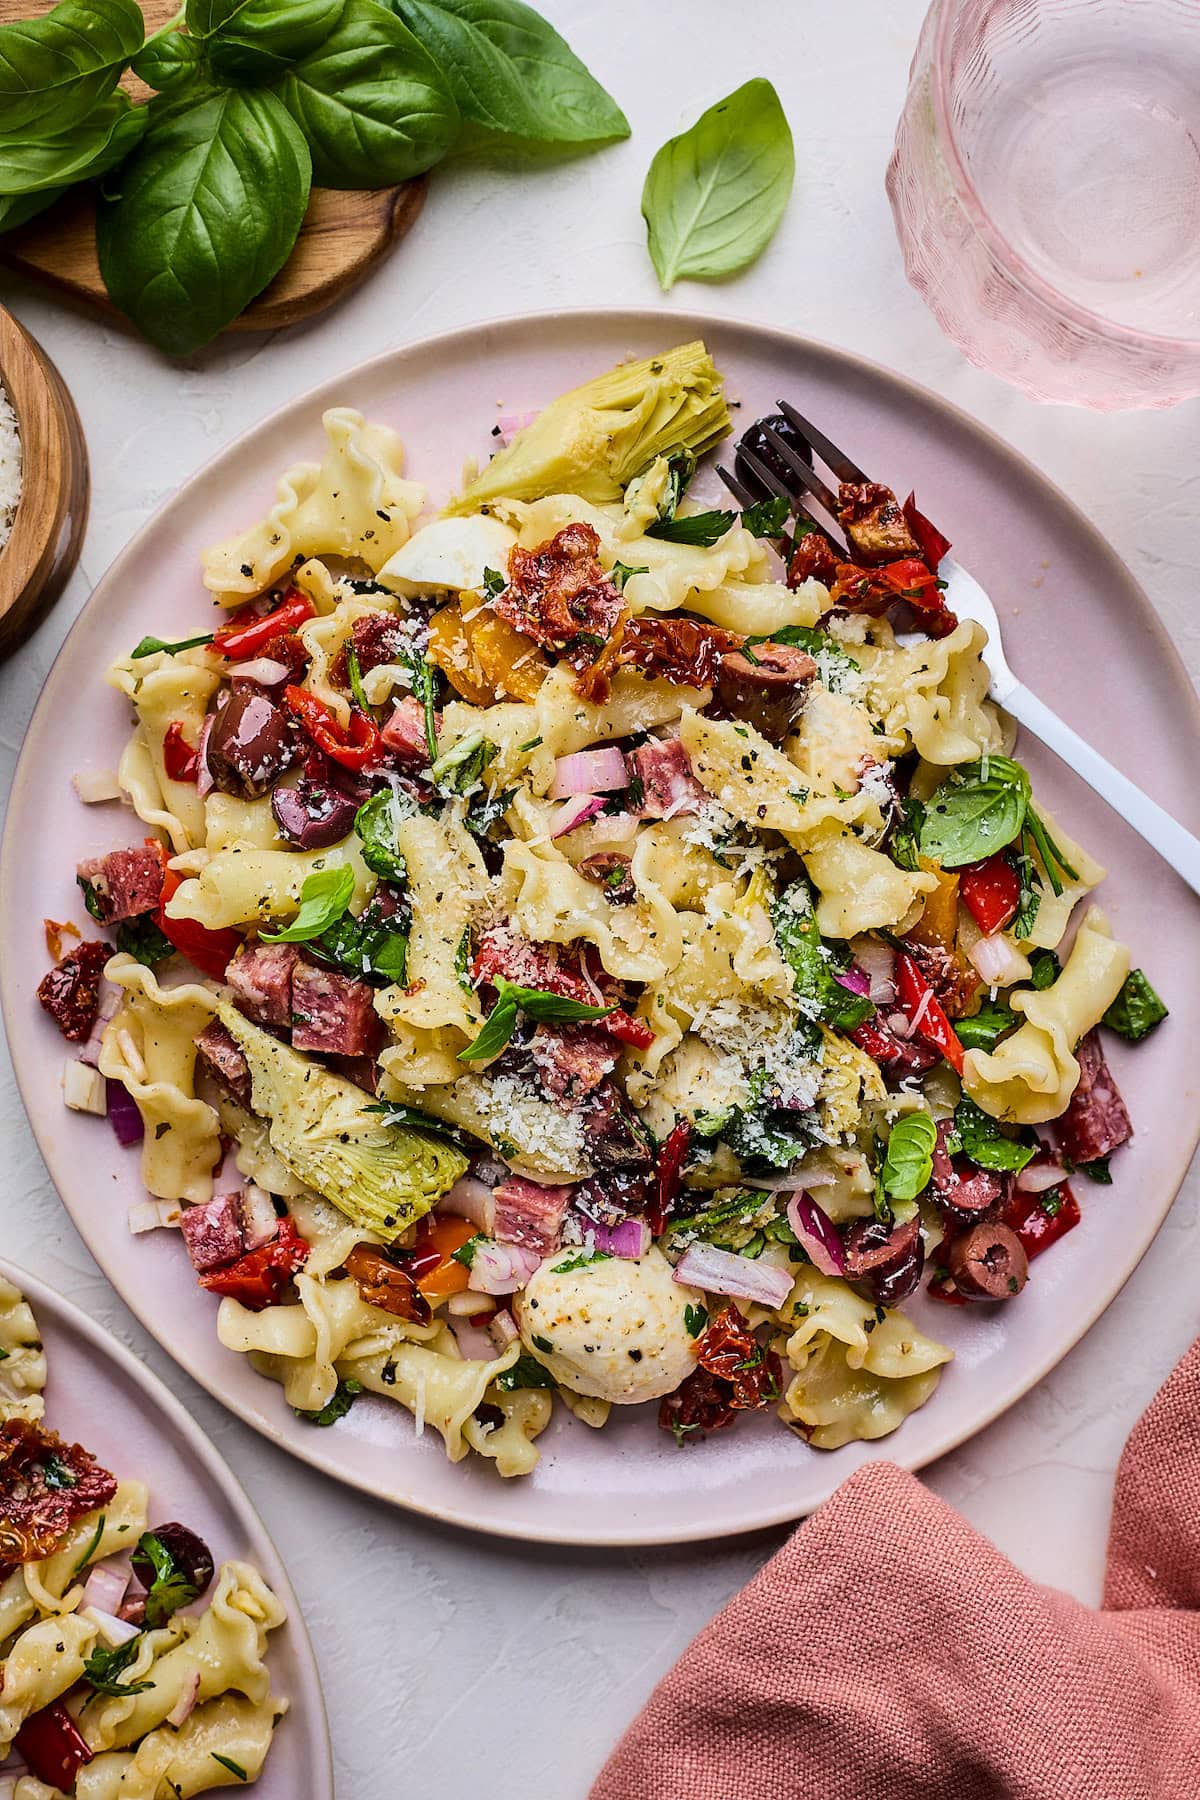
x=610, y=1328
x=449, y=553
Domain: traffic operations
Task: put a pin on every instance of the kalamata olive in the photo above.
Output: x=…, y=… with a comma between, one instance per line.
x=768, y=692
x=175, y=1562
x=887, y=1259
x=755, y=439
x=895, y=1283
x=250, y=744
x=314, y=813
x=611, y=873
x=988, y=1263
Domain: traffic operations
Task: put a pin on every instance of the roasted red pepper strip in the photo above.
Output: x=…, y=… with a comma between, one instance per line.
x=991, y=892
x=259, y=1278
x=628, y=1029
x=1037, y=1229
x=358, y=747
x=181, y=762
x=920, y=1006
x=53, y=1746
x=933, y=545
x=247, y=632
x=672, y=1155
x=211, y=951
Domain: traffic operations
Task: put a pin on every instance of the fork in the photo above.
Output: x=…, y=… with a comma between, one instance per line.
x=965, y=597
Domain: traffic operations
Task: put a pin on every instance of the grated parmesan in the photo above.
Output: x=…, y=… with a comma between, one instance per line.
x=10, y=467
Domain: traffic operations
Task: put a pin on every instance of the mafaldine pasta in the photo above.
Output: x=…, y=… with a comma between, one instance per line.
x=587, y=945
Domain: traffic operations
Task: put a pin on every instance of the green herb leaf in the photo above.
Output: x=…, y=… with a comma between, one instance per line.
x=1136, y=1010
x=1045, y=968
x=767, y=518
x=620, y=573
x=357, y=691
x=256, y=41
x=336, y=1407
x=91, y=898
x=18, y=209
x=58, y=1474
x=462, y=766
x=703, y=529
x=369, y=946
x=93, y=1546
x=376, y=823
x=978, y=1136
x=227, y=1762
x=324, y=897
x=465, y=1254
x=986, y=1028
x=583, y=1260
x=424, y=687
x=54, y=70
x=526, y=1372
x=695, y=1318
x=715, y=195
x=511, y=72
x=171, y=1587
x=209, y=209
x=149, y=646
x=501, y=1022
x=976, y=812
x=141, y=939
x=81, y=152
x=908, y=1160
x=169, y=61
x=408, y=1118
x=1097, y=1171
x=543, y=1344
x=814, y=965
x=371, y=102
x=494, y=585
x=102, y=1667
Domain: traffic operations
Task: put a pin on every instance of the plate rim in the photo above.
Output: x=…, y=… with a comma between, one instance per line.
x=323, y=392
x=47, y=1300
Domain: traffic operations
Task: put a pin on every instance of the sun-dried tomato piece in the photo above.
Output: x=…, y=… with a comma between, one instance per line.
x=730, y=1351
x=70, y=993
x=560, y=591
x=699, y=1404
x=382, y=1284
x=45, y=1485
x=685, y=651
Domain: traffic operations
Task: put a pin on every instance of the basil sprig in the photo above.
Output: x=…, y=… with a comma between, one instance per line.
x=324, y=897
x=814, y=964
x=977, y=1135
x=512, y=999
x=908, y=1159
x=980, y=809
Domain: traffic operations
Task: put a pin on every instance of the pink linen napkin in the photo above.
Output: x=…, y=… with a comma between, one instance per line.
x=888, y=1652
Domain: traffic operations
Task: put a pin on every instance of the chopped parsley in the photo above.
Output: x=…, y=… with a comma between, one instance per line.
x=583, y=1260
x=695, y=1318
x=102, y=1668
x=336, y=1407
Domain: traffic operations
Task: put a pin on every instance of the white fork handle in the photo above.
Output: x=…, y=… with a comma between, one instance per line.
x=1165, y=834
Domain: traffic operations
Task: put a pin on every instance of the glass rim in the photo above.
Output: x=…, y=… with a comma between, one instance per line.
x=997, y=242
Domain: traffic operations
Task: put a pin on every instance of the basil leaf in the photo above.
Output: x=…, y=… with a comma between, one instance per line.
x=703, y=529
x=908, y=1160
x=511, y=72
x=102, y=1668
x=141, y=939
x=1045, y=968
x=337, y=1405
x=54, y=70
x=376, y=823
x=695, y=1318
x=371, y=102
x=819, y=994
x=209, y=209
x=904, y=845
x=149, y=646
x=494, y=1033
x=169, y=61
x=79, y=152
x=986, y=1028
x=767, y=518
x=526, y=1372
x=366, y=946
x=714, y=195
x=462, y=766
x=18, y=209
x=258, y=40
x=324, y=897
x=981, y=808
x=1136, y=1010
x=980, y=1138
x=407, y=1118
x=1097, y=1171
x=500, y=1023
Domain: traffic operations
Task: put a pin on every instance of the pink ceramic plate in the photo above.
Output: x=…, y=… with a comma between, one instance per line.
x=1073, y=618
x=100, y=1396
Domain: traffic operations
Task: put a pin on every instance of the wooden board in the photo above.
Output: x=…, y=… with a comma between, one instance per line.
x=345, y=233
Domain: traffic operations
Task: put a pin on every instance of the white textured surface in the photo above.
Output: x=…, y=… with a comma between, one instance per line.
x=450, y=1661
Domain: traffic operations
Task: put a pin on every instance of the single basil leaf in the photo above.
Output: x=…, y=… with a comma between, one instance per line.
x=986, y=1028
x=814, y=965
x=500, y=1023
x=1136, y=1010
x=209, y=210
x=494, y=1033
x=904, y=843
x=1045, y=969
x=980, y=809
x=54, y=70
x=141, y=939
x=168, y=61
x=336, y=1407
x=511, y=72
x=371, y=102
x=908, y=1160
x=703, y=529
x=983, y=1141
x=324, y=897
x=375, y=823
x=259, y=40
x=81, y=152
x=714, y=195
x=407, y=1118
x=767, y=518
x=18, y=209
x=526, y=1372
x=1097, y=1171
x=149, y=646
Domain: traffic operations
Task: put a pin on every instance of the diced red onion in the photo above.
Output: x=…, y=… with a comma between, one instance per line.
x=501, y=1268
x=472, y=1199
x=574, y=812
x=204, y=775
x=257, y=1216
x=855, y=979
x=96, y=785
x=879, y=962
x=997, y=961
x=723, y=1272
x=817, y=1233
x=124, y=1116
x=106, y=1588
x=1040, y=1175
x=153, y=1215
x=589, y=772
x=264, y=670
x=899, y=1024
x=114, y=1631
x=185, y=1705
x=508, y=425
x=502, y=1329
x=629, y=1239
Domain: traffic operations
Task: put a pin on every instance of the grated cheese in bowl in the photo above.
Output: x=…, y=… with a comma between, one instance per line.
x=10, y=467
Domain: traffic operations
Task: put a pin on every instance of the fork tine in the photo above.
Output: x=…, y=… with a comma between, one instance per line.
x=826, y=449
x=803, y=471
x=767, y=478
x=741, y=494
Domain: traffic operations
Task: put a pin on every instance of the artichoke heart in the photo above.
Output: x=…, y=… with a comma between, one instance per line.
x=382, y=1177
x=595, y=439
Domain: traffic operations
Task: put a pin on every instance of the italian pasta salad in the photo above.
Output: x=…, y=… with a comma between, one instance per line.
x=130, y=1667
x=585, y=945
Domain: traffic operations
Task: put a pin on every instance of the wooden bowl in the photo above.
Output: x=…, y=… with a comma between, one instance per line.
x=52, y=511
